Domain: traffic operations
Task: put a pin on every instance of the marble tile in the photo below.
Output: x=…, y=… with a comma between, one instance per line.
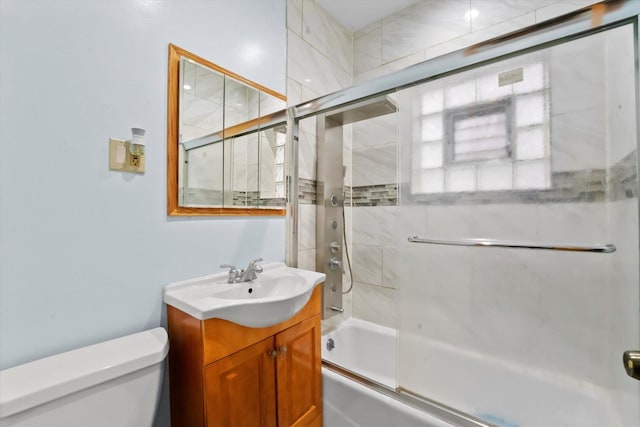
x=312, y=69
x=621, y=110
x=390, y=67
x=492, y=14
x=576, y=223
x=309, y=94
x=307, y=259
x=306, y=227
x=560, y=8
x=333, y=322
x=374, y=225
x=375, y=132
x=347, y=161
x=577, y=75
x=367, y=51
x=327, y=35
x=367, y=264
x=578, y=140
x=375, y=166
x=514, y=222
x=423, y=25
x=294, y=92
x=390, y=267
x=375, y=304
x=307, y=155
x=452, y=45
x=294, y=16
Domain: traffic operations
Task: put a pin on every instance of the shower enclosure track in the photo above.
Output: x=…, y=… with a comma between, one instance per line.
x=488, y=243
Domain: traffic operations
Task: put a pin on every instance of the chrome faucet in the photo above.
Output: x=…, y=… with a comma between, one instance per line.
x=244, y=275
x=250, y=273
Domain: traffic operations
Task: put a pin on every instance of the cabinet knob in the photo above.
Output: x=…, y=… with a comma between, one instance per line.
x=272, y=354
x=283, y=351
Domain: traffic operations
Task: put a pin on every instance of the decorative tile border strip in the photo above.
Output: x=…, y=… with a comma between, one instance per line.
x=371, y=195
x=198, y=197
x=584, y=186
x=307, y=191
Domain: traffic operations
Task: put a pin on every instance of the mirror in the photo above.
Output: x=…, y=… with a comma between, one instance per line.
x=225, y=141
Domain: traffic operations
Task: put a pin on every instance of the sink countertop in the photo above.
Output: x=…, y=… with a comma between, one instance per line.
x=277, y=294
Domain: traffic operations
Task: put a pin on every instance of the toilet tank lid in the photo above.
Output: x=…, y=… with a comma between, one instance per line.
x=26, y=386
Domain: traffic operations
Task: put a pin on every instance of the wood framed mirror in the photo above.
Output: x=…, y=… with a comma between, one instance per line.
x=225, y=141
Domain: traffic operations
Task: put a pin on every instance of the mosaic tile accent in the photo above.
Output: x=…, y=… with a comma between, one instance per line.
x=372, y=195
x=307, y=192
x=586, y=186
x=200, y=197
x=213, y=198
x=623, y=178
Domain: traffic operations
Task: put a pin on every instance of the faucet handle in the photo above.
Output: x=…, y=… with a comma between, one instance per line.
x=255, y=260
x=233, y=272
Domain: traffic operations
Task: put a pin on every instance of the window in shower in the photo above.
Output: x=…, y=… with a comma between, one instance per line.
x=479, y=134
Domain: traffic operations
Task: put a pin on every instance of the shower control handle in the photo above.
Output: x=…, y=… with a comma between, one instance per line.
x=336, y=264
x=334, y=247
x=631, y=360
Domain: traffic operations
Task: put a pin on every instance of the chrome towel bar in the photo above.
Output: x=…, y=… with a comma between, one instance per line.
x=608, y=248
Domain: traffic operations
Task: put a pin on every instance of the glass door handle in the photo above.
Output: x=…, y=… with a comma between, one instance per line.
x=631, y=359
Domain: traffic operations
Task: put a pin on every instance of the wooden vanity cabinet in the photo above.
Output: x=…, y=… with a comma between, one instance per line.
x=224, y=374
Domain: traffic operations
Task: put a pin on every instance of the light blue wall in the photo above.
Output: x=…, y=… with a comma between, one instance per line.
x=85, y=252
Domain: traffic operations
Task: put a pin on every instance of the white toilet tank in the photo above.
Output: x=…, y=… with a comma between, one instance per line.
x=115, y=383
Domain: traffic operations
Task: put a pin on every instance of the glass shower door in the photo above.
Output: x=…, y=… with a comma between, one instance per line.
x=535, y=150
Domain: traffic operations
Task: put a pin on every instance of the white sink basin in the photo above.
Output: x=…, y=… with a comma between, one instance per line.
x=276, y=295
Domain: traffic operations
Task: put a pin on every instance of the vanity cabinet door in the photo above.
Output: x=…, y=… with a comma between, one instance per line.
x=240, y=389
x=299, y=381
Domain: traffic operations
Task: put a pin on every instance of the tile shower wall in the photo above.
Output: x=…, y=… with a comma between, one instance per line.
x=319, y=62
x=423, y=31
x=561, y=315
x=324, y=57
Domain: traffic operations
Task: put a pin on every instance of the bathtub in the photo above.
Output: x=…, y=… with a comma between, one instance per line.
x=370, y=351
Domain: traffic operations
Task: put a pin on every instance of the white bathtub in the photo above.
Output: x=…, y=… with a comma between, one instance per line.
x=369, y=350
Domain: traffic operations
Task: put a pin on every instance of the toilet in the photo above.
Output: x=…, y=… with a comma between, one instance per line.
x=113, y=383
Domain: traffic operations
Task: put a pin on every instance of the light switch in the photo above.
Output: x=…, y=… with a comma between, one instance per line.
x=117, y=154
x=120, y=159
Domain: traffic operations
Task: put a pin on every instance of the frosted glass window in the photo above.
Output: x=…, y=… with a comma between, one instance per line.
x=529, y=110
x=533, y=79
x=531, y=175
x=432, y=156
x=279, y=172
x=461, y=94
x=495, y=177
x=427, y=181
x=488, y=89
x=433, y=102
x=479, y=133
x=280, y=155
x=461, y=179
x=432, y=128
x=433, y=181
x=279, y=189
x=530, y=143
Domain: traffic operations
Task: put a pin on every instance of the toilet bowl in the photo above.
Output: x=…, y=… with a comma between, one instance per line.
x=113, y=383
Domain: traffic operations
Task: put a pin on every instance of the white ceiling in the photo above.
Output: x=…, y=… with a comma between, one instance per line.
x=357, y=14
